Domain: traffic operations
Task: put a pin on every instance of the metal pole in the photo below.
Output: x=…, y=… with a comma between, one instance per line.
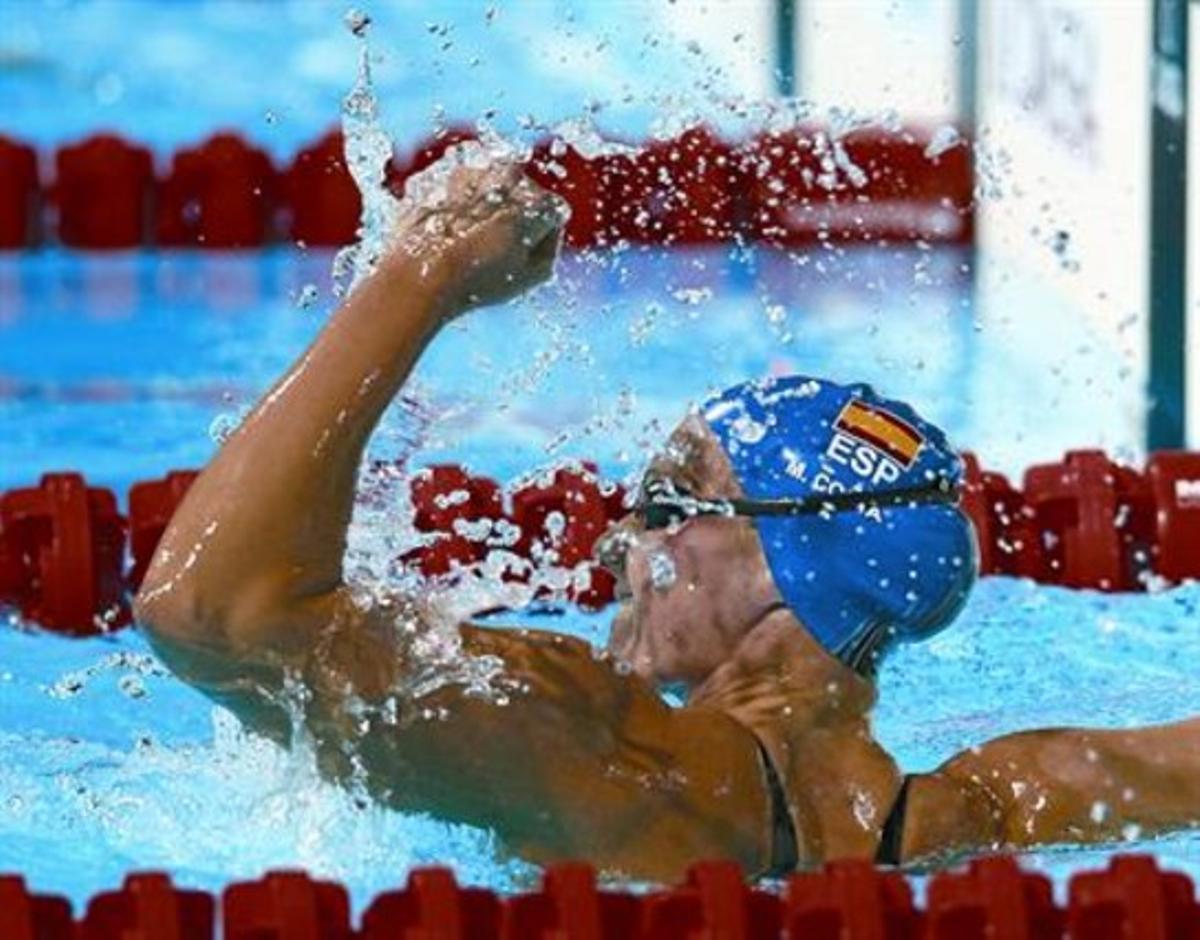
x=785, y=48
x=1165, y=424
x=966, y=40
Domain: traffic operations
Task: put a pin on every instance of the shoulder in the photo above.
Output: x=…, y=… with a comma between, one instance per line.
x=567, y=670
x=569, y=683
x=480, y=639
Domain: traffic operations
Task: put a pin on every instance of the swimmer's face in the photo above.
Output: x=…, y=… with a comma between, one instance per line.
x=690, y=592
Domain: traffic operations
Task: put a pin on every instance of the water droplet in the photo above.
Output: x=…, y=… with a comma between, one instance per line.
x=747, y=430
x=944, y=138
x=307, y=296
x=368, y=150
x=662, y=570
x=223, y=426
x=357, y=21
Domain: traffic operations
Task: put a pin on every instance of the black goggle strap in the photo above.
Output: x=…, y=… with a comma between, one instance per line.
x=665, y=501
x=941, y=491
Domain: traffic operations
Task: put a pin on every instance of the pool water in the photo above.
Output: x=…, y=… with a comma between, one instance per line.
x=131, y=66
x=118, y=365
x=125, y=367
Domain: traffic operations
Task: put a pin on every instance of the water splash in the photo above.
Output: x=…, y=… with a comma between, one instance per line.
x=368, y=148
x=663, y=574
x=945, y=138
x=582, y=135
x=383, y=531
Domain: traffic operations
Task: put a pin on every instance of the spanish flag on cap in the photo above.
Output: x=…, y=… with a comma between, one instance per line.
x=922, y=557
x=880, y=429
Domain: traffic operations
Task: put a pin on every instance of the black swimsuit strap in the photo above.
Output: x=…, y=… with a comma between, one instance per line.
x=785, y=855
x=891, y=839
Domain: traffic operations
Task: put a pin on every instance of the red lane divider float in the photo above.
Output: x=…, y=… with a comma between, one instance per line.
x=104, y=191
x=805, y=186
x=992, y=898
x=149, y=907
x=65, y=543
x=321, y=201
x=151, y=505
x=432, y=905
x=456, y=508
x=221, y=194
x=1175, y=492
x=20, y=195
x=321, y=196
x=795, y=188
x=284, y=905
x=1088, y=522
x=553, y=521
x=1083, y=522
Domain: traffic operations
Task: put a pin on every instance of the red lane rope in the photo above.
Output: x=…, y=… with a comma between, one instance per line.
x=798, y=187
x=851, y=900
x=69, y=560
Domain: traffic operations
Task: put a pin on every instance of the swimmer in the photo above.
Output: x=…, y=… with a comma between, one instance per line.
x=788, y=535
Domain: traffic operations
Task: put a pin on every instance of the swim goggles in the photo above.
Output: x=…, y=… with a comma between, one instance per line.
x=664, y=503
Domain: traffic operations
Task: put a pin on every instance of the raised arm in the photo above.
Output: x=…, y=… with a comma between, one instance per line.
x=570, y=757
x=1057, y=786
x=251, y=565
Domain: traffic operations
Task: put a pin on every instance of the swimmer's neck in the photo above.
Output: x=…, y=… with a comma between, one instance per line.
x=778, y=660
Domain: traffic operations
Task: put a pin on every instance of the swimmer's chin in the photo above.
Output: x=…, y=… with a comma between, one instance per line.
x=624, y=641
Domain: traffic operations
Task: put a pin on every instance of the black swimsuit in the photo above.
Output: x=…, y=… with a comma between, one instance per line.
x=891, y=839
x=785, y=854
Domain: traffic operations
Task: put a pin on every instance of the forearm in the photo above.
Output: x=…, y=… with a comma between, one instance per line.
x=1106, y=785
x=252, y=560
x=1061, y=785
x=265, y=524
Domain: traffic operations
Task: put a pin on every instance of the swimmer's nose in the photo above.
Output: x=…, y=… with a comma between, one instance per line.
x=613, y=546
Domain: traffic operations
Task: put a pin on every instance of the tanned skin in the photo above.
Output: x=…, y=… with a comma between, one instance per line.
x=580, y=758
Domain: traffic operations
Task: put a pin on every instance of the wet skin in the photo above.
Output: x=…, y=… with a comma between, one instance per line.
x=575, y=754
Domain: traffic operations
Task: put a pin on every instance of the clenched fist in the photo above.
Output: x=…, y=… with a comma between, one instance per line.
x=491, y=233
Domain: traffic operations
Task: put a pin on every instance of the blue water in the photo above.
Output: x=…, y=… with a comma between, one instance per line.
x=69, y=68
x=121, y=366
x=125, y=366
x=118, y=364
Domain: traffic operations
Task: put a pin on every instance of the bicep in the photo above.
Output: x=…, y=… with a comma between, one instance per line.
x=273, y=687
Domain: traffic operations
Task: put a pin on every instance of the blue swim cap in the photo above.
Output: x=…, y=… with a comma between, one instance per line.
x=860, y=577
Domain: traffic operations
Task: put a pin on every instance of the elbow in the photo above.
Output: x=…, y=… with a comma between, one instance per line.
x=155, y=605
x=171, y=610
x=248, y=617
x=169, y=600
x=180, y=602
